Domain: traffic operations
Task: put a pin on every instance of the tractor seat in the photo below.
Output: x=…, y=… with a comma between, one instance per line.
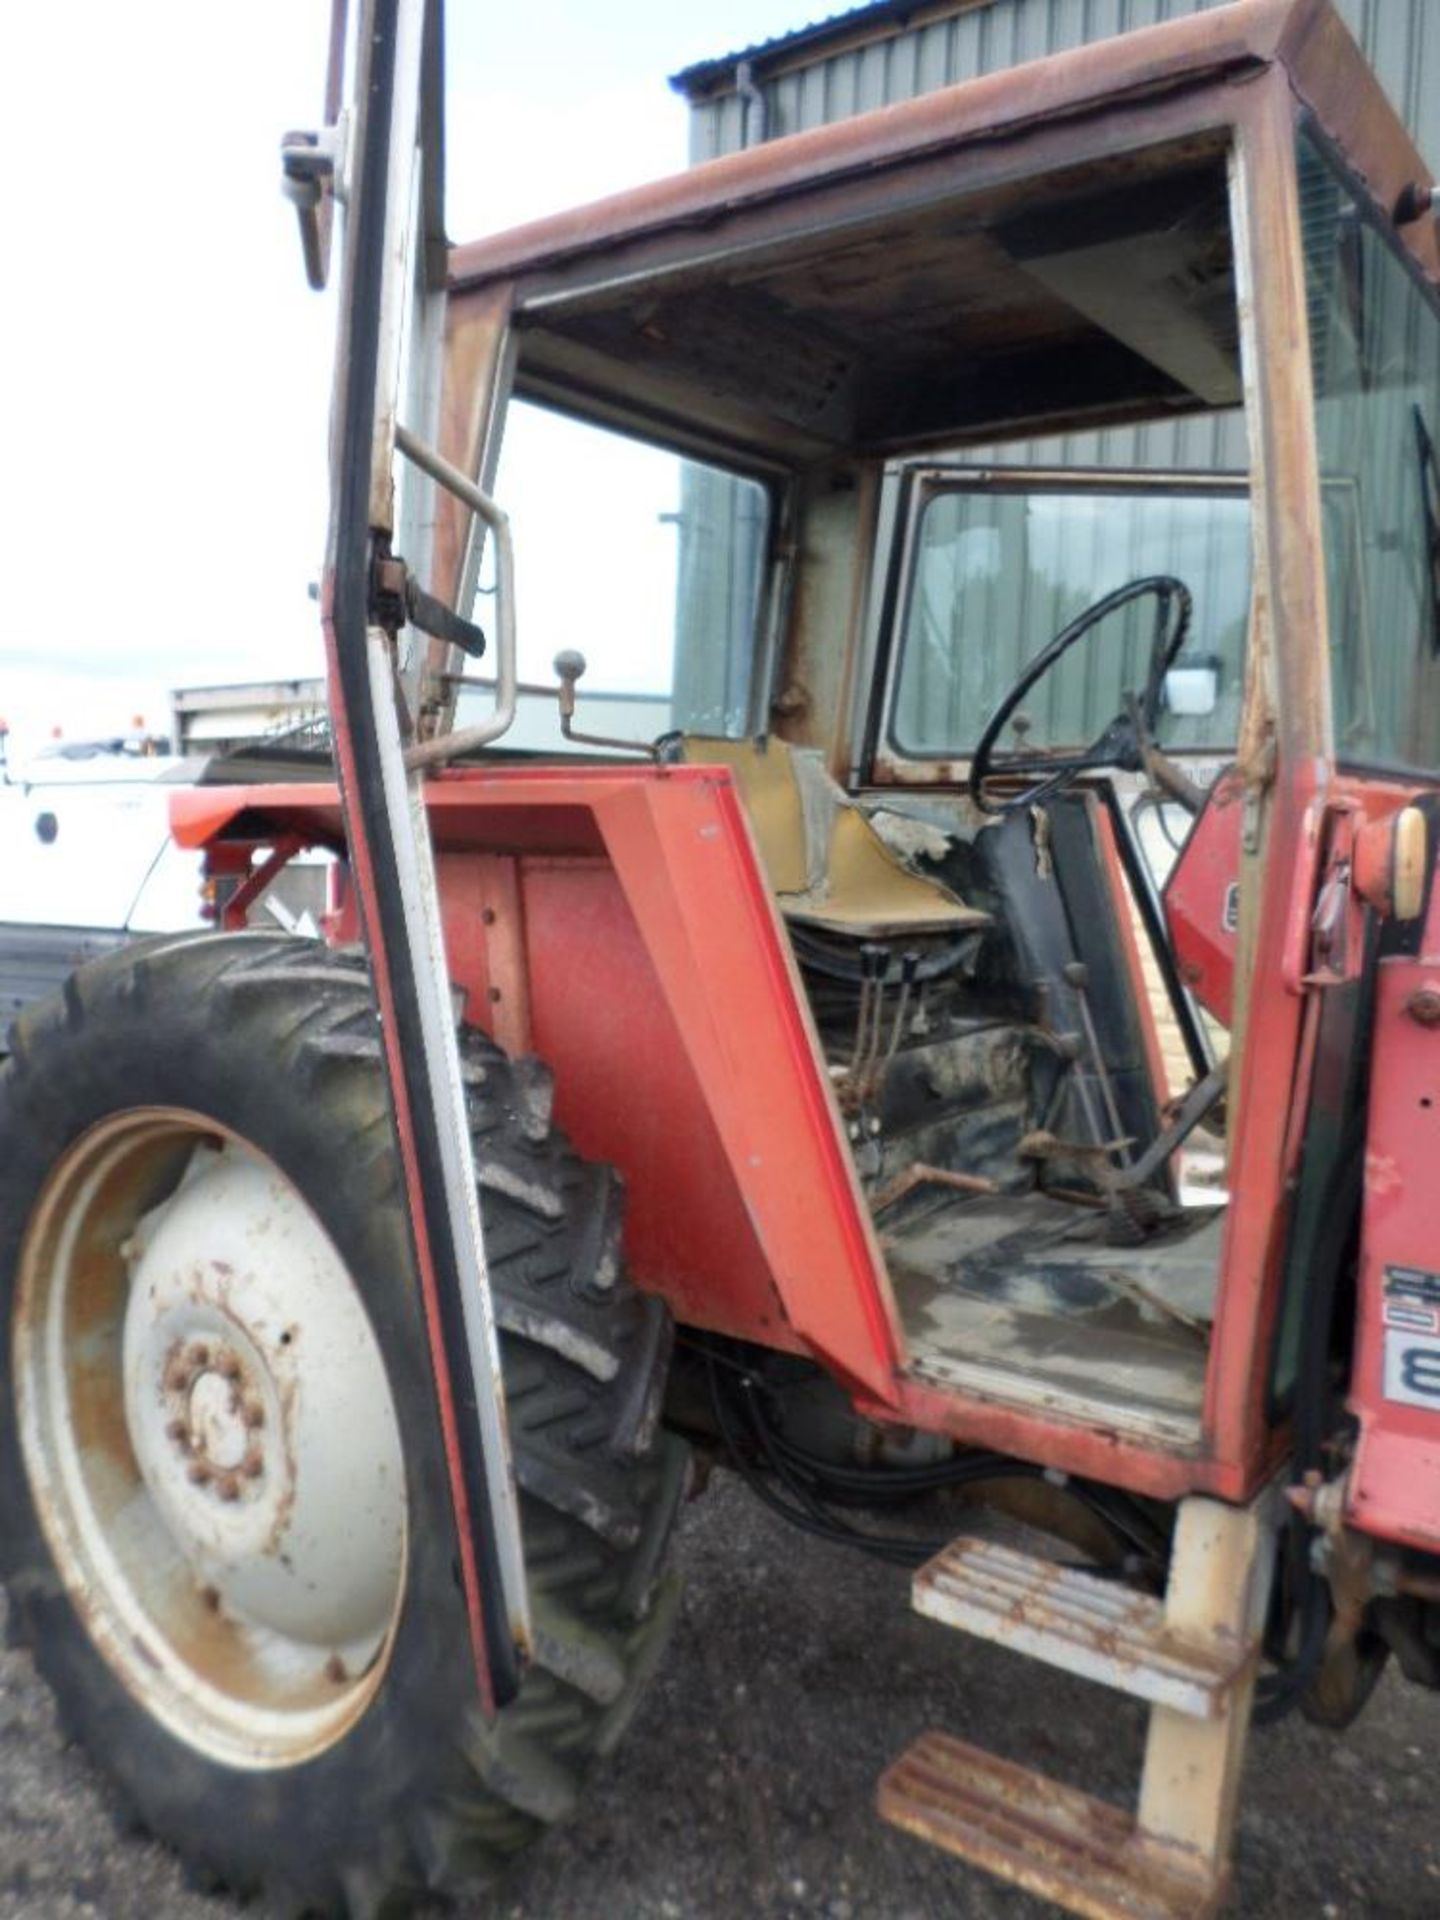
x=826, y=864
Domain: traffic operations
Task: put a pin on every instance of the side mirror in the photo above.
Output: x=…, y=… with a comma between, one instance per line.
x=1192, y=688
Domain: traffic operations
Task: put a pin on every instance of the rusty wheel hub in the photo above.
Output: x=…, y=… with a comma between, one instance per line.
x=217, y=1418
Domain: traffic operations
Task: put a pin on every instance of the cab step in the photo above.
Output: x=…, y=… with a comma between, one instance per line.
x=1192, y=1658
x=1053, y=1840
x=1089, y=1626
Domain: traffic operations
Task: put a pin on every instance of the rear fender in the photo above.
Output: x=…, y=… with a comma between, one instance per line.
x=616, y=922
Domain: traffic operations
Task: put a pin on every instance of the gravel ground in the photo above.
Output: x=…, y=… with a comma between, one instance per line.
x=746, y=1784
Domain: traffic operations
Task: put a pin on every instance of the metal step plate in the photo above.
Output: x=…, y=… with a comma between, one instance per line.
x=1097, y=1628
x=1059, y=1843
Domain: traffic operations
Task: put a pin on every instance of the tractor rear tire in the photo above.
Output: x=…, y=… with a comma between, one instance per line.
x=225, y=1520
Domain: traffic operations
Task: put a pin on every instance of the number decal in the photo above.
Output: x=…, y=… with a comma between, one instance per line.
x=1412, y=1369
x=1420, y=1371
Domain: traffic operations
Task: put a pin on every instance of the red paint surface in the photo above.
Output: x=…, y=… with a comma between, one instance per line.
x=1200, y=901
x=1394, y=1486
x=662, y=991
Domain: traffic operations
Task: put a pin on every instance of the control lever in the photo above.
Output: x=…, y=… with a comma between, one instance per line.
x=909, y=968
x=1076, y=976
x=1197, y=1103
x=569, y=665
x=873, y=964
x=1167, y=777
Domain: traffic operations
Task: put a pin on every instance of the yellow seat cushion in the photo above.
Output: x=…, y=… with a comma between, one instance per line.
x=853, y=883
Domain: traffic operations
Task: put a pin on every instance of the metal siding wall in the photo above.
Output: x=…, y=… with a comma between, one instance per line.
x=980, y=40
x=1401, y=39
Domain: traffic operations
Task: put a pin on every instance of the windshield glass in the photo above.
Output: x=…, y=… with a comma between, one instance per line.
x=997, y=573
x=650, y=564
x=1375, y=347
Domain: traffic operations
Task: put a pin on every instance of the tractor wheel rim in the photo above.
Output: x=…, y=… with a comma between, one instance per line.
x=210, y=1437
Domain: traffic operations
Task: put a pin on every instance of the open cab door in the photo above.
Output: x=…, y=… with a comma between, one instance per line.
x=376, y=171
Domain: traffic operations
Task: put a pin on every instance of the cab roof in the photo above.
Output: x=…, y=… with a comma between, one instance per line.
x=1041, y=247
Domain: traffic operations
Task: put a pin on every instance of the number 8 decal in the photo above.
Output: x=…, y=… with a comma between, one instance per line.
x=1412, y=1369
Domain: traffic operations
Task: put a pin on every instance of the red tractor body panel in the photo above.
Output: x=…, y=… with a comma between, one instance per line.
x=1394, y=1487
x=616, y=921
x=1202, y=901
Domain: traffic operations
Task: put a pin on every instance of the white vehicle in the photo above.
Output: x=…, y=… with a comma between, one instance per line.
x=87, y=861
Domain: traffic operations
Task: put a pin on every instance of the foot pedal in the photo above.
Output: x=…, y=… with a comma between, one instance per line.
x=1096, y=1628
x=1064, y=1845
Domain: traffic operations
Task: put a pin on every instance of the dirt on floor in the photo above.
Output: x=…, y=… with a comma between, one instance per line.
x=746, y=1785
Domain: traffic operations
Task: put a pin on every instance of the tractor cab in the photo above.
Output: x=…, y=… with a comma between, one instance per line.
x=970, y=888
x=1030, y=750
x=977, y=898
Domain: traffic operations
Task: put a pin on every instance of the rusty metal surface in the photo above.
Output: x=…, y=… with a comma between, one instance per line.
x=1096, y=1628
x=476, y=366
x=1307, y=35
x=1082, y=1853
x=1059, y=1328
x=1329, y=77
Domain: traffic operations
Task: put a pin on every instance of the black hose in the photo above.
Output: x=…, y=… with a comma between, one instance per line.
x=1149, y=801
x=809, y=1481
x=837, y=964
x=1109, y=1504
x=1276, y=1693
x=825, y=1528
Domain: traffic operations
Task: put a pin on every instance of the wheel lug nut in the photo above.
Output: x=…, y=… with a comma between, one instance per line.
x=229, y=1488
x=180, y=1434
x=253, y=1413
x=200, y=1472
x=177, y=1376
x=228, y=1366
x=200, y=1354
x=253, y=1464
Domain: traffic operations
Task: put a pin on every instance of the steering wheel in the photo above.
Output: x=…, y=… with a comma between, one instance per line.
x=1124, y=742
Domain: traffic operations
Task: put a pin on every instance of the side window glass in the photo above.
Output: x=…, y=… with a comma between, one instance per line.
x=650, y=564
x=998, y=573
x=1375, y=349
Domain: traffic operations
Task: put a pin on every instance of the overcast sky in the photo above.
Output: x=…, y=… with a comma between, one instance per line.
x=168, y=369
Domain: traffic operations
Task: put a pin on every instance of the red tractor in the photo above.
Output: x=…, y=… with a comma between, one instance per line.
x=904, y=1123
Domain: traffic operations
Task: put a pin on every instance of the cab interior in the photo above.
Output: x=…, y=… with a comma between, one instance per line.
x=983, y=962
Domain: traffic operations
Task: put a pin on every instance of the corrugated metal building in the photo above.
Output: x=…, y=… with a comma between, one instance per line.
x=872, y=55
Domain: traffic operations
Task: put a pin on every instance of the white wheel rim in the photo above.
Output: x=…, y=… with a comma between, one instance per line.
x=210, y=1437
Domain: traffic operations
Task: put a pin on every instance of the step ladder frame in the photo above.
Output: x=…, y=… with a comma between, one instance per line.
x=1171, y=1857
